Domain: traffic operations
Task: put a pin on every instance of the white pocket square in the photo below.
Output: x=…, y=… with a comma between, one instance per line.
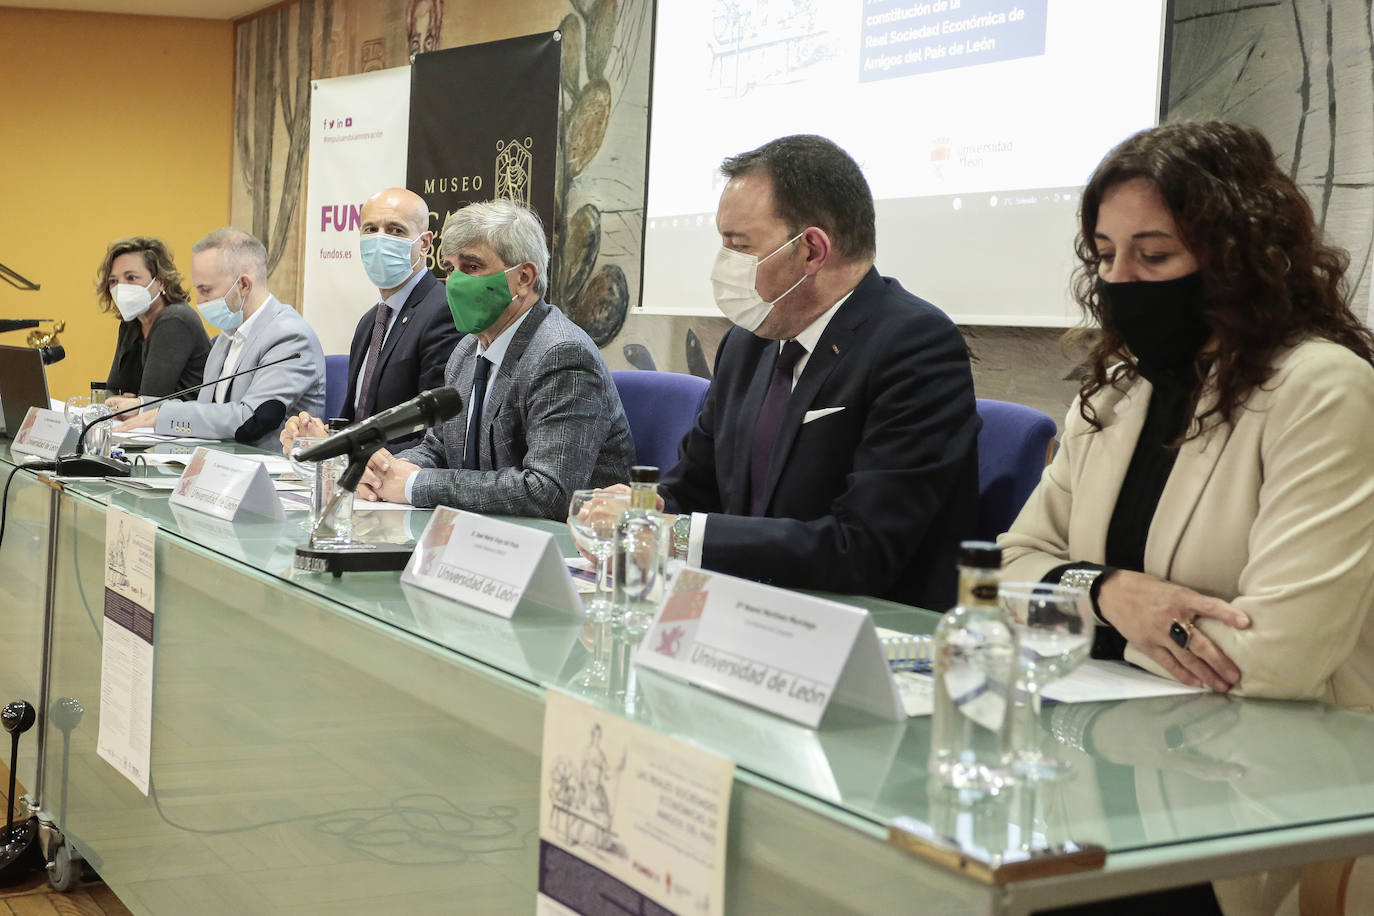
x=817, y=414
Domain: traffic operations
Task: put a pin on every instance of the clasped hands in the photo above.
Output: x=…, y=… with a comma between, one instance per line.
x=1142, y=608
x=142, y=420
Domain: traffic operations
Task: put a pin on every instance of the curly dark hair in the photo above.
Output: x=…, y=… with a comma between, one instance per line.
x=1268, y=278
x=157, y=257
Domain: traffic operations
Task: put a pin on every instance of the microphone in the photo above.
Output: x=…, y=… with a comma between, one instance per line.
x=17, y=324
x=53, y=353
x=83, y=465
x=429, y=408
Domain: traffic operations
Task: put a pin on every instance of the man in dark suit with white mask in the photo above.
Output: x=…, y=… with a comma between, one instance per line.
x=837, y=447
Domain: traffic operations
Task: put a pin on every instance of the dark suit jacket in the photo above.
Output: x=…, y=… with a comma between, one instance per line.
x=870, y=499
x=553, y=424
x=414, y=355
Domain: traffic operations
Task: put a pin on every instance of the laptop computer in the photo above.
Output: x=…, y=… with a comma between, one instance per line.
x=23, y=384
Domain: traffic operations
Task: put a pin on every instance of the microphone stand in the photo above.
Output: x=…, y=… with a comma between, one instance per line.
x=326, y=529
x=82, y=465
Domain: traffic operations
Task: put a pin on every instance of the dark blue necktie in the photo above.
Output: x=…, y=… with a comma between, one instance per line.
x=479, y=395
x=769, y=421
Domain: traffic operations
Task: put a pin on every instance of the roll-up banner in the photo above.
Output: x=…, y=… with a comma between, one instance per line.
x=484, y=124
x=358, y=130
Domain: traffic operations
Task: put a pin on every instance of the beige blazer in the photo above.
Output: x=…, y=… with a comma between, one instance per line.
x=1274, y=513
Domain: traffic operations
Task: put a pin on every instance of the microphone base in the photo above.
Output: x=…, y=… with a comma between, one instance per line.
x=20, y=855
x=360, y=556
x=92, y=466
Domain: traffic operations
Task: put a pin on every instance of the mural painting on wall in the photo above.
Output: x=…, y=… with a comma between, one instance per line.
x=1303, y=72
x=597, y=230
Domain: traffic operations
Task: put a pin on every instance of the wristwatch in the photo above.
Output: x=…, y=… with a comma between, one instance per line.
x=682, y=535
x=1089, y=579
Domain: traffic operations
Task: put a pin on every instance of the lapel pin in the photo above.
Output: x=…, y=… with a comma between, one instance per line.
x=836, y=349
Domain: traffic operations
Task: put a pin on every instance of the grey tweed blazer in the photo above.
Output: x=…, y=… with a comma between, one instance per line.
x=553, y=424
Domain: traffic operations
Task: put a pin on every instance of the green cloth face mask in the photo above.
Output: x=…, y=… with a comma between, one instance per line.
x=477, y=301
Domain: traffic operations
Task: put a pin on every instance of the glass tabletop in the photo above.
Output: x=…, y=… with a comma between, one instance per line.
x=1148, y=773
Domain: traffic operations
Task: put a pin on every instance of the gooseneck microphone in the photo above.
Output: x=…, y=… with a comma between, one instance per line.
x=82, y=465
x=429, y=408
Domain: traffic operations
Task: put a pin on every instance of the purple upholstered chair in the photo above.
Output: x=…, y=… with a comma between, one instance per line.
x=661, y=407
x=1013, y=447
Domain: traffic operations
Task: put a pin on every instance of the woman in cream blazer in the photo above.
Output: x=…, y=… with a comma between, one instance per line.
x=1272, y=513
x=1214, y=486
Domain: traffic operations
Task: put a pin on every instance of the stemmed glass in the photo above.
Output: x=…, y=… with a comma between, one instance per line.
x=1054, y=625
x=592, y=516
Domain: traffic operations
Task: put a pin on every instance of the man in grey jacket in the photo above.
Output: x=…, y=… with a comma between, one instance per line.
x=541, y=416
x=229, y=273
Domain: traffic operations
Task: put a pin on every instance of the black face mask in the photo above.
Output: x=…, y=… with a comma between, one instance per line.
x=1162, y=322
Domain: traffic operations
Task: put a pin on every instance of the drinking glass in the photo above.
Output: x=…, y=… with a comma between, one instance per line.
x=592, y=516
x=98, y=436
x=322, y=476
x=1054, y=626
x=76, y=409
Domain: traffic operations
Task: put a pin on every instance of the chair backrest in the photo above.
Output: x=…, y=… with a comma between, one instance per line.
x=1012, y=449
x=335, y=384
x=661, y=407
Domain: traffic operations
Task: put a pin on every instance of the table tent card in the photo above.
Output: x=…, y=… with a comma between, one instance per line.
x=790, y=654
x=630, y=820
x=45, y=434
x=490, y=564
x=227, y=486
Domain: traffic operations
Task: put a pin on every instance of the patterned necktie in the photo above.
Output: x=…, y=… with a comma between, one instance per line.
x=769, y=420
x=374, y=352
x=479, y=395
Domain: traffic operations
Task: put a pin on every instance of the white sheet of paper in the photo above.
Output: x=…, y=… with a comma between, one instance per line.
x=623, y=804
x=490, y=564
x=144, y=484
x=226, y=487
x=1096, y=680
x=789, y=653
x=125, y=739
x=917, y=691
x=1102, y=679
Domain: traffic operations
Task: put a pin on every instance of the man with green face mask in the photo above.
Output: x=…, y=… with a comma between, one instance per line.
x=541, y=416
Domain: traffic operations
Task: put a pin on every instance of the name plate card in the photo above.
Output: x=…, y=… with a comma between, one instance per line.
x=227, y=486
x=788, y=653
x=45, y=434
x=490, y=564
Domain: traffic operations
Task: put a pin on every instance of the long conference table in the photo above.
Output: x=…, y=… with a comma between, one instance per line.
x=324, y=745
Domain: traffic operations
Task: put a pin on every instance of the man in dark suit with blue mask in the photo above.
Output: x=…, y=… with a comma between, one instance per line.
x=402, y=343
x=837, y=447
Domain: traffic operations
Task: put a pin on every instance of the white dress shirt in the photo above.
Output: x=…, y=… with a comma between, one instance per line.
x=231, y=359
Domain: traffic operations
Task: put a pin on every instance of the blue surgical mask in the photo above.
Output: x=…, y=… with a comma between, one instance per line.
x=386, y=258
x=220, y=315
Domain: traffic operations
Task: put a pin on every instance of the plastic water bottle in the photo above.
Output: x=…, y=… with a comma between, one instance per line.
x=639, y=572
x=975, y=681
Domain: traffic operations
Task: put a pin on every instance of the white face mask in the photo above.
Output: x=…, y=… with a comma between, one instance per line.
x=732, y=281
x=133, y=300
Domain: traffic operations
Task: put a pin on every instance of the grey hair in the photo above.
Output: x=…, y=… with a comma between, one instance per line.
x=510, y=229
x=243, y=254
